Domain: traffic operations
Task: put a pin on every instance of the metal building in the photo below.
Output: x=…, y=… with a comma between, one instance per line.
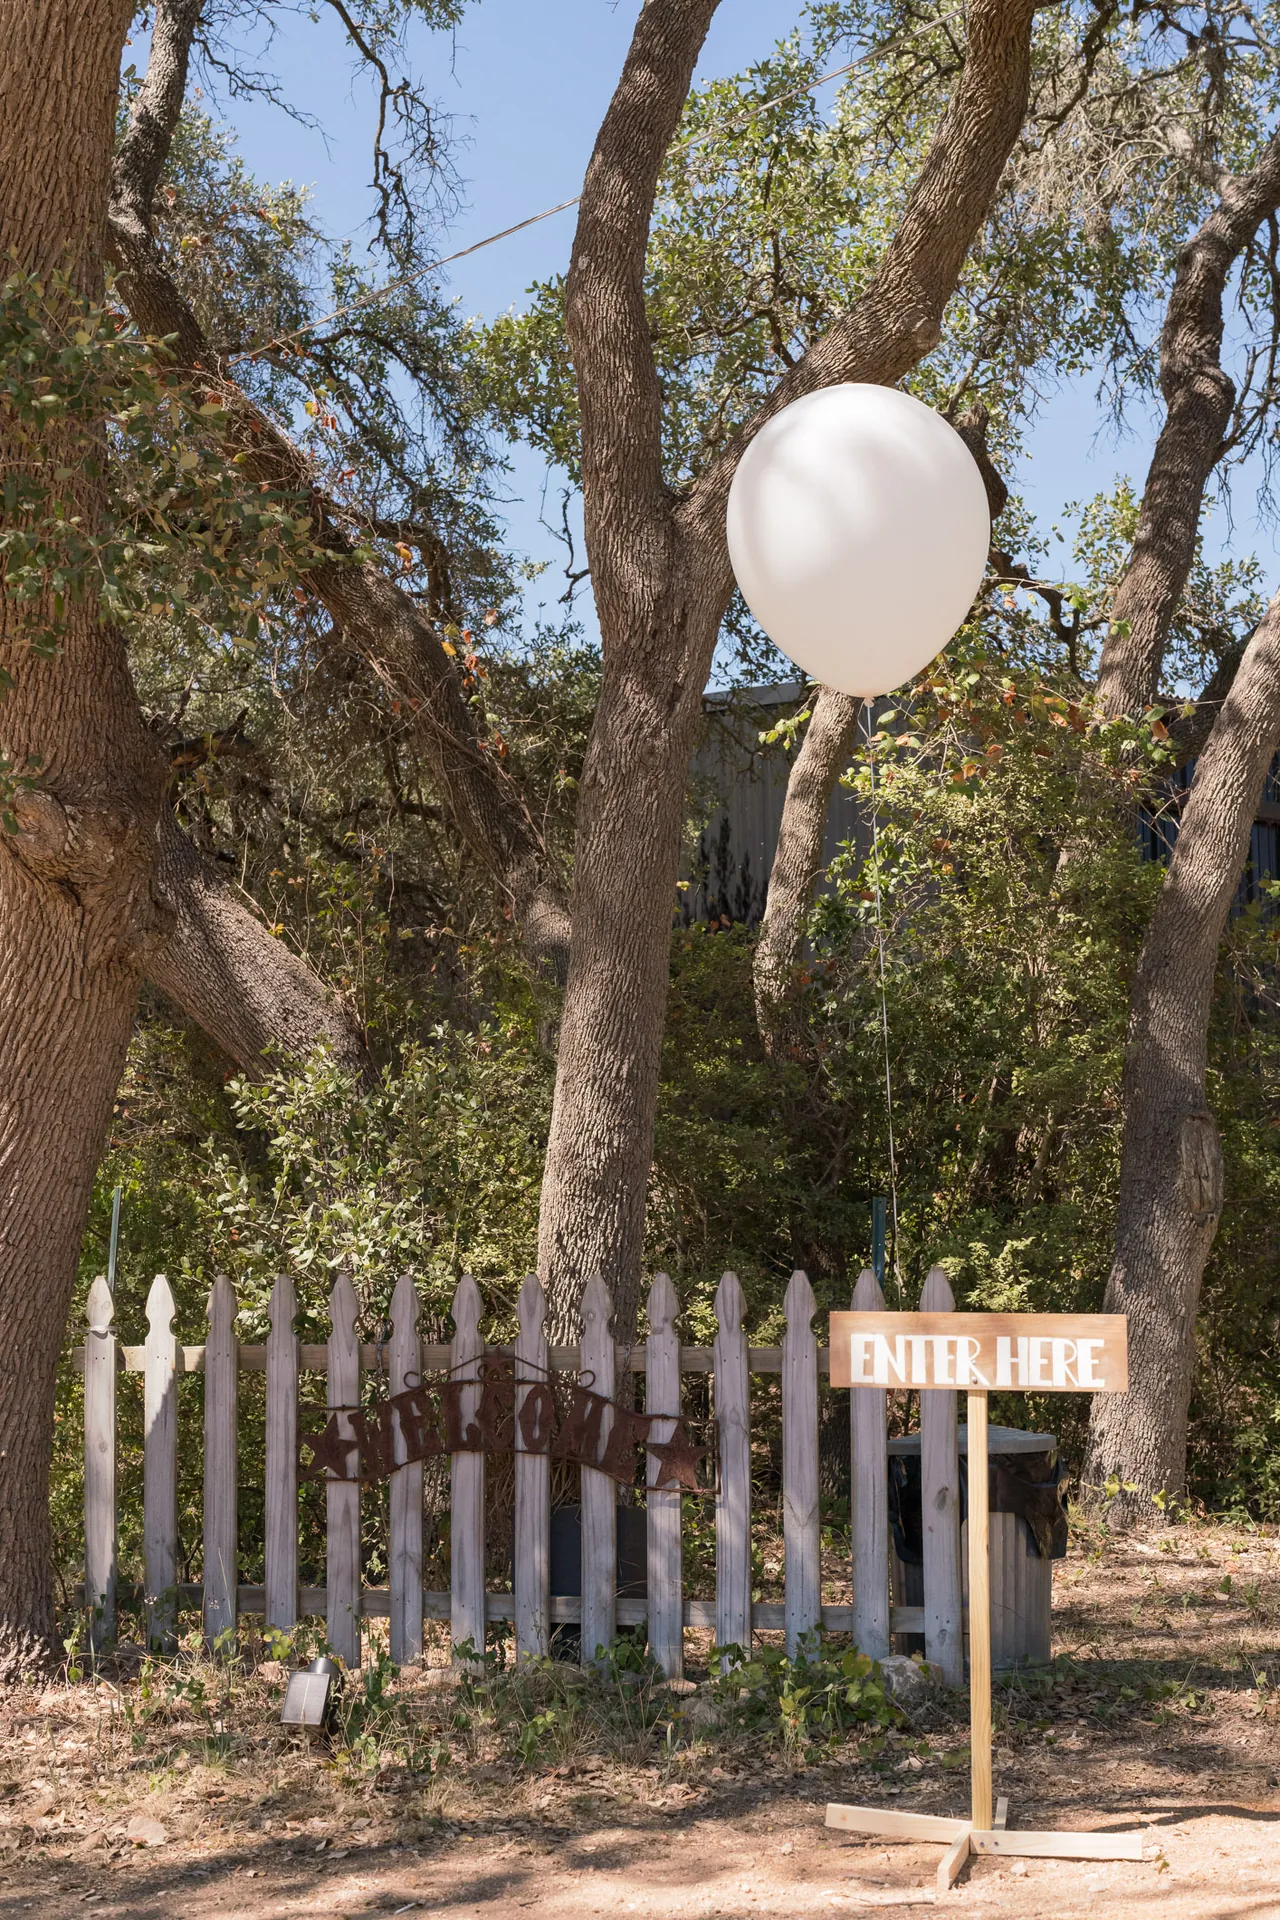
x=739, y=786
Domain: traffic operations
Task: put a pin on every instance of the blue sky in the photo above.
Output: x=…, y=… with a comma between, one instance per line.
x=527, y=82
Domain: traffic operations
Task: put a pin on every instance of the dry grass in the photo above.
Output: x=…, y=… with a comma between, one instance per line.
x=557, y=1794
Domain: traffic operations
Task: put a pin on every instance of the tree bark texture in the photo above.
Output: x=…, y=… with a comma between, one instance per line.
x=76, y=904
x=1199, y=397
x=662, y=580
x=388, y=629
x=245, y=989
x=1171, y=1161
x=797, y=861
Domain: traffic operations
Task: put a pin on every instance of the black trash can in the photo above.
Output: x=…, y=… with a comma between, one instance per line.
x=566, y=1566
x=1028, y=1531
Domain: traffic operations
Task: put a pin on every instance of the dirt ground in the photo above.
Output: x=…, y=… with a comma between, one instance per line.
x=144, y=1795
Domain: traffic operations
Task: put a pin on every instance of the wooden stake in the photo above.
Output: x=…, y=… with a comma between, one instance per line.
x=979, y=1616
x=952, y=1861
x=894, y=1825
x=983, y=1834
x=1058, y=1846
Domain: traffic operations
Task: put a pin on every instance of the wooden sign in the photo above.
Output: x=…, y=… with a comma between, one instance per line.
x=989, y=1352
x=981, y=1353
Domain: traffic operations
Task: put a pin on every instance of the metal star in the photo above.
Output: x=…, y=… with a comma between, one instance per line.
x=679, y=1456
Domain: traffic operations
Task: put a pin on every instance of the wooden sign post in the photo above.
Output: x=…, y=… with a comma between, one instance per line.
x=980, y=1353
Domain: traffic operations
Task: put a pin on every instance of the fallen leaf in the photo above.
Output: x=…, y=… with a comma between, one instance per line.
x=145, y=1832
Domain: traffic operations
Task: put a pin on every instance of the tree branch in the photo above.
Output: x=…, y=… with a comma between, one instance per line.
x=242, y=987
x=1199, y=397
x=157, y=107
x=620, y=396
x=379, y=619
x=899, y=317
x=797, y=860
x=396, y=97
x=1191, y=731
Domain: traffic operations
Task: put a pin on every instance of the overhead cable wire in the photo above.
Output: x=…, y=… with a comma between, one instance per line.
x=377, y=294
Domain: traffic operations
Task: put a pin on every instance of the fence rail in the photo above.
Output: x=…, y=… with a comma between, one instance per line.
x=401, y=1362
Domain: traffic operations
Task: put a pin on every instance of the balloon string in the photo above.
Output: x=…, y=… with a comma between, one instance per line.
x=884, y=1001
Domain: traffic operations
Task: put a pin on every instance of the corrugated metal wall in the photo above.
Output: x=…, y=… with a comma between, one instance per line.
x=739, y=787
x=1159, y=834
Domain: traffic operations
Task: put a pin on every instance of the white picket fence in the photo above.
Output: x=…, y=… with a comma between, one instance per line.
x=344, y=1603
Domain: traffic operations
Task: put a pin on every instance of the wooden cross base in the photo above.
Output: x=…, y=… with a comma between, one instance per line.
x=961, y=1838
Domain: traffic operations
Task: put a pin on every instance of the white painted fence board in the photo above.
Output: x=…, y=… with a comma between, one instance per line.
x=253, y=1359
x=466, y=1479
x=733, y=1501
x=531, y=1570
x=767, y=1616
x=405, y=1544
x=281, y=1544
x=100, y=1549
x=221, y=1386
x=342, y=1498
x=869, y=1497
x=940, y=1505
x=665, y=1549
x=800, y=1528
x=599, y=1494
x=467, y=1606
x=160, y=1469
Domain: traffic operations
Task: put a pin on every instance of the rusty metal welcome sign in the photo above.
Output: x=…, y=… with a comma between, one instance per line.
x=550, y=1414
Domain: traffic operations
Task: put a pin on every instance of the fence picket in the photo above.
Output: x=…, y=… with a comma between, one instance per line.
x=531, y=1570
x=221, y=1385
x=733, y=1501
x=665, y=1552
x=467, y=1606
x=160, y=1468
x=800, y=1530
x=342, y=1497
x=599, y=1495
x=405, y=1577
x=940, y=1504
x=466, y=1478
x=100, y=1553
x=281, y=1545
x=869, y=1496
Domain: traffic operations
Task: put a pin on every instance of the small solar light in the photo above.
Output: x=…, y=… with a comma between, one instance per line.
x=307, y=1699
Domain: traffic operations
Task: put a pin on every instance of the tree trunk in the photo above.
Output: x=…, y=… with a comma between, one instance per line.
x=1171, y=1168
x=75, y=881
x=797, y=861
x=630, y=814
x=1198, y=397
x=661, y=575
x=1171, y=1159
x=244, y=989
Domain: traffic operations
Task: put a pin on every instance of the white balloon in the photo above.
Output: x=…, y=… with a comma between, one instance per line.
x=858, y=531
